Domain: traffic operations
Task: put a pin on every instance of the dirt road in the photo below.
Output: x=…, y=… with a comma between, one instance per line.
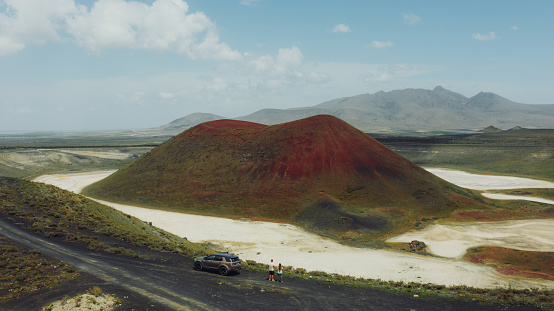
x=171, y=284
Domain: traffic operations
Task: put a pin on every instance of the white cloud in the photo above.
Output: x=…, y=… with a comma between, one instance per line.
x=514, y=28
x=381, y=44
x=136, y=97
x=341, y=28
x=485, y=37
x=261, y=63
x=217, y=85
x=25, y=22
x=19, y=110
x=164, y=26
x=279, y=80
x=289, y=58
x=9, y=45
x=286, y=62
x=211, y=48
x=411, y=18
x=249, y=2
x=166, y=95
x=240, y=87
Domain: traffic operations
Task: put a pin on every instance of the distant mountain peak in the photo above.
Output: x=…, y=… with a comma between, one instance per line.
x=485, y=94
x=490, y=129
x=488, y=100
x=189, y=121
x=405, y=110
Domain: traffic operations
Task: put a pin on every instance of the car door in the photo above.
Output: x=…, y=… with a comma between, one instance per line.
x=217, y=261
x=209, y=262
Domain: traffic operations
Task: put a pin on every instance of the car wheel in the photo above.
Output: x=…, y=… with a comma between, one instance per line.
x=197, y=266
x=223, y=270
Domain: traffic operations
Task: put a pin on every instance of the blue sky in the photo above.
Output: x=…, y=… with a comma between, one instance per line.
x=80, y=65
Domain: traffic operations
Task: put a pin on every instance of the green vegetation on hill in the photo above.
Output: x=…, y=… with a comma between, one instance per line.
x=54, y=212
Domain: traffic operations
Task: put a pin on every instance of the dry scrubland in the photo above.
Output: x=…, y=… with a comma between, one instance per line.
x=24, y=271
x=55, y=213
x=29, y=163
x=522, y=154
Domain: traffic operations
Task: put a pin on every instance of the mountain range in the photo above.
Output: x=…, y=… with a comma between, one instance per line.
x=409, y=110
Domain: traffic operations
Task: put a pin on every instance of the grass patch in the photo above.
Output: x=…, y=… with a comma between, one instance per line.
x=23, y=271
x=514, y=262
x=505, y=210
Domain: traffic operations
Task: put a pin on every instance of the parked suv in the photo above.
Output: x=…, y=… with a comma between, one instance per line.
x=225, y=263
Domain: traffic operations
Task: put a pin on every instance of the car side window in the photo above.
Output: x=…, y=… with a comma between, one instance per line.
x=217, y=258
x=210, y=257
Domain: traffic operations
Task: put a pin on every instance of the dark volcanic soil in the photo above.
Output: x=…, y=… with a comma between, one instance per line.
x=170, y=283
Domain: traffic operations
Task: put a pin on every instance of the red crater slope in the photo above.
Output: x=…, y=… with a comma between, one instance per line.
x=283, y=172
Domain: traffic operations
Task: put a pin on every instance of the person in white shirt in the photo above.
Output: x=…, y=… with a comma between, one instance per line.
x=271, y=270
